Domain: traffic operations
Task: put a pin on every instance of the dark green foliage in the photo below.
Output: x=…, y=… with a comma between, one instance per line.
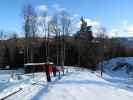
x=79, y=52
x=6, y=57
x=19, y=58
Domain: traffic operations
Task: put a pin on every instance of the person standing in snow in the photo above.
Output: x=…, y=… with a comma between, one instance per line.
x=62, y=69
x=54, y=70
x=48, y=67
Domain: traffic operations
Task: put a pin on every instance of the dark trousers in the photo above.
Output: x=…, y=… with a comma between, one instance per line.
x=48, y=77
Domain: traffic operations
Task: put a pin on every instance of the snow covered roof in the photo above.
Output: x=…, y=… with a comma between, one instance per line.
x=50, y=63
x=28, y=64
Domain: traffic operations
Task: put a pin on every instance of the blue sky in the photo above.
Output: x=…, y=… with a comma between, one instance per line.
x=115, y=15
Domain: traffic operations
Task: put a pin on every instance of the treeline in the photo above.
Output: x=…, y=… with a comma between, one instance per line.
x=79, y=51
x=58, y=43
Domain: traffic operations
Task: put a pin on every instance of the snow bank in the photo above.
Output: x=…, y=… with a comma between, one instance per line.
x=120, y=75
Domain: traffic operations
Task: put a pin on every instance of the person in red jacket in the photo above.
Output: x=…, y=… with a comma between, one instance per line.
x=48, y=70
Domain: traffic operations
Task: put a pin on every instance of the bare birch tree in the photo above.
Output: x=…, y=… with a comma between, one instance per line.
x=56, y=31
x=30, y=29
x=65, y=26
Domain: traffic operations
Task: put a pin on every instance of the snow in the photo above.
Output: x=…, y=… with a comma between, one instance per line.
x=83, y=86
x=33, y=64
x=121, y=75
x=30, y=64
x=77, y=84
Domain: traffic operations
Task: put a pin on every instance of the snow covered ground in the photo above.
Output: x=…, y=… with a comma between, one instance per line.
x=121, y=75
x=75, y=85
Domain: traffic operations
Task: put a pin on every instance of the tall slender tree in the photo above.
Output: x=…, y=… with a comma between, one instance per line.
x=30, y=29
x=65, y=25
x=43, y=26
x=56, y=31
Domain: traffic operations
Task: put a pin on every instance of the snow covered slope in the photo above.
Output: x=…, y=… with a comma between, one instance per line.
x=109, y=65
x=75, y=85
x=119, y=76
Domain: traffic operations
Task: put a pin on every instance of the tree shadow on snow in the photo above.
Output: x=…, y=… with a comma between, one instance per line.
x=44, y=90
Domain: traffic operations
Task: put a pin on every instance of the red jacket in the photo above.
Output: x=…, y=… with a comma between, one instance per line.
x=50, y=69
